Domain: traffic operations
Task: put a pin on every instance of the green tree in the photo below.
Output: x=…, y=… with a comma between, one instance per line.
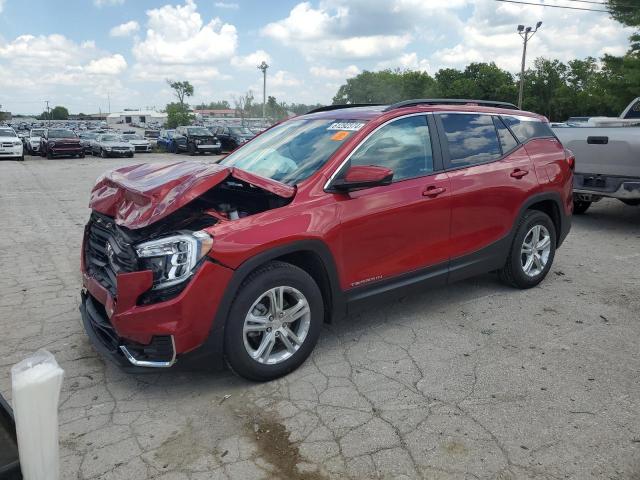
x=386, y=86
x=481, y=81
x=181, y=90
x=178, y=114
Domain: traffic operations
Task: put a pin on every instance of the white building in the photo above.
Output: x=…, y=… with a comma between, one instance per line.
x=136, y=116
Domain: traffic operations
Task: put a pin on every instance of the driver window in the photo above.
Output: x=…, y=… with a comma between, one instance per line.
x=403, y=145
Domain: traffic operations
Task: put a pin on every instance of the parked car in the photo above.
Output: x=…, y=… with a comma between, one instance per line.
x=32, y=142
x=607, y=154
x=10, y=144
x=165, y=141
x=86, y=140
x=196, y=140
x=232, y=137
x=111, y=145
x=60, y=142
x=245, y=259
x=139, y=143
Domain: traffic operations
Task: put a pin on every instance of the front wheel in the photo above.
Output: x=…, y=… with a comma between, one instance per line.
x=532, y=251
x=191, y=149
x=580, y=207
x=274, y=322
x=103, y=154
x=49, y=155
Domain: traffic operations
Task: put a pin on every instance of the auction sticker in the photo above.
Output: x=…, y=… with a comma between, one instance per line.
x=339, y=136
x=349, y=126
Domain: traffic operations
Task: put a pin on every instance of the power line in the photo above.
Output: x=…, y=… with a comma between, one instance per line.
x=606, y=4
x=553, y=6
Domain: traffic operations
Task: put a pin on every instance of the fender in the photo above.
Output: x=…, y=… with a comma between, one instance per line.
x=563, y=219
x=213, y=347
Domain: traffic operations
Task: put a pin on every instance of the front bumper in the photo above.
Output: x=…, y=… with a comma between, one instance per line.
x=116, y=321
x=119, y=153
x=66, y=150
x=215, y=147
x=9, y=152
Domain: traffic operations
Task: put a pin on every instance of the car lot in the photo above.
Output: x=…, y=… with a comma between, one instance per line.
x=472, y=381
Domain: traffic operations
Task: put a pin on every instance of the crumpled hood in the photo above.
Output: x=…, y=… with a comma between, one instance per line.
x=139, y=195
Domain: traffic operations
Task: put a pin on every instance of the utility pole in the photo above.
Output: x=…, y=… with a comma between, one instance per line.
x=526, y=34
x=263, y=67
x=48, y=113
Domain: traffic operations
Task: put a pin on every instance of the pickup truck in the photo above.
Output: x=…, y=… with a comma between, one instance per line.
x=607, y=152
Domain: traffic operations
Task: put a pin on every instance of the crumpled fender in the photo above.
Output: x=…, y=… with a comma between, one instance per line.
x=139, y=195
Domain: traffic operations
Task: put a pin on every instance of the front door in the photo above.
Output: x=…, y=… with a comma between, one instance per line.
x=397, y=229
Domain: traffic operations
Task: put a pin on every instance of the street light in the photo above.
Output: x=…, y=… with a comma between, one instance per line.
x=263, y=66
x=526, y=34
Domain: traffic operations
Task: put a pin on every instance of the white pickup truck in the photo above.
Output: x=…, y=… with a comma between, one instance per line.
x=607, y=154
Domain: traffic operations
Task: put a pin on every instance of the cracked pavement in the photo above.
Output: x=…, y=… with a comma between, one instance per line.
x=475, y=380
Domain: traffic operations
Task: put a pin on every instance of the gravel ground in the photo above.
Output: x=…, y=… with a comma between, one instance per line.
x=475, y=380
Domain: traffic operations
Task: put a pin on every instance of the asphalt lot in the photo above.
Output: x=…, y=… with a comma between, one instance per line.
x=476, y=380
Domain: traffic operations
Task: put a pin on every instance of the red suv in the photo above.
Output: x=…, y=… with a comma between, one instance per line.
x=244, y=260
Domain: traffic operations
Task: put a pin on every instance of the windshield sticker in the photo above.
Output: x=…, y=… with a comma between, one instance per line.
x=351, y=126
x=339, y=136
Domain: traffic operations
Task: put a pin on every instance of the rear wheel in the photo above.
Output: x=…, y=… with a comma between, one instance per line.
x=274, y=322
x=580, y=207
x=532, y=251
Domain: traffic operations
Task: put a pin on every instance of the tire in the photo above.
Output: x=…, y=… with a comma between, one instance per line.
x=49, y=155
x=192, y=149
x=81, y=155
x=513, y=273
x=103, y=154
x=298, y=285
x=129, y=155
x=580, y=207
x=633, y=202
x=20, y=158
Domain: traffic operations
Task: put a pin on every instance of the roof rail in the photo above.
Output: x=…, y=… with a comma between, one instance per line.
x=328, y=108
x=450, y=101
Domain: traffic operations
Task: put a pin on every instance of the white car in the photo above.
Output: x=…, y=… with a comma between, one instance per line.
x=33, y=140
x=140, y=143
x=10, y=144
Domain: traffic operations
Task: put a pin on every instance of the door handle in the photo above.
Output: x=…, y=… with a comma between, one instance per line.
x=432, y=191
x=518, y=173
x=597, y=140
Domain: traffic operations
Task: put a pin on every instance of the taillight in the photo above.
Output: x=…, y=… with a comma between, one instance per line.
x=570, y=158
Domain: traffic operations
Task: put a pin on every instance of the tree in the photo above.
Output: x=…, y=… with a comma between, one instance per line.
x=386, y=86
x=627, y=12
x=57, y=113
x=177, y=115
x=181, y=90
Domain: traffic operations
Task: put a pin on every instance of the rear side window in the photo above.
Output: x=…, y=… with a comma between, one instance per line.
x=528, y=129
x=471, y=139
x=507, y=140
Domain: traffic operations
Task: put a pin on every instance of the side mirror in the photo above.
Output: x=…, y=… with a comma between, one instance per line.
x=361, y=176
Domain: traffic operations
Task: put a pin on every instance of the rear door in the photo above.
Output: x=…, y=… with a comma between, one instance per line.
x=491, y=177
x=401, y=228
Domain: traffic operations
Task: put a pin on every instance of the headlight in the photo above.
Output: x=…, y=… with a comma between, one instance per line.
x=16, y=143
x=197, y=141
x=108, y=149
x=172, y=259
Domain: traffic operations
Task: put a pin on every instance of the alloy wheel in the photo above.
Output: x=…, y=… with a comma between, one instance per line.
x=276, y=326
x=535, y=250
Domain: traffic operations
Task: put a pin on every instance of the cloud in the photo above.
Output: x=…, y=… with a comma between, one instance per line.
x=229, y=5
x=406, y=61
x=177, y=35
x=335, y=73
x=125, y=29
x=2, y=2
x=107, y=3
x=110, y=65
x=252, y=60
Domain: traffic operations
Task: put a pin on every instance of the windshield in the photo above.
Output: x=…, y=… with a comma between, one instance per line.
x=7, y=132
x=37, y=133
x=293, y=151
x=110, y=138
x=61, y=133
x=131, y=136
x=198, y=131
x=242, y=131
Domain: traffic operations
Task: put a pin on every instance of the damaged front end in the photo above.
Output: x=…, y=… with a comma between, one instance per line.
x=147, y=238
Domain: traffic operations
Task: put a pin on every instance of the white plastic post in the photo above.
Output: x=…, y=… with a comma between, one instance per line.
x=36, y=383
